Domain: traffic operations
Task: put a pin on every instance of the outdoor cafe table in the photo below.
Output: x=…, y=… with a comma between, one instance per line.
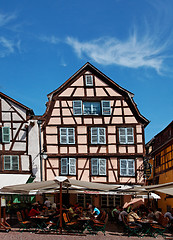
x=40, y=221
x=147, y=226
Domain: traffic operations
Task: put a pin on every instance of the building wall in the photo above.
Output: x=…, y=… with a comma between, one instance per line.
x=160, y=153
x=60, y=114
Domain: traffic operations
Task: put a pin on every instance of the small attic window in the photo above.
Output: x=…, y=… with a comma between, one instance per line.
x=89, y=80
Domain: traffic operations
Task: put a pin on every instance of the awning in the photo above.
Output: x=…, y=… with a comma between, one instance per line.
x=13, y=179
x=54, y=185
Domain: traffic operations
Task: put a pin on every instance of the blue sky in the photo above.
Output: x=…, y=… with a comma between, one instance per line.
x=44, y=42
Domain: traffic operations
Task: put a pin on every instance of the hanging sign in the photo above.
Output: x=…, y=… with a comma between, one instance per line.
x=147, y=169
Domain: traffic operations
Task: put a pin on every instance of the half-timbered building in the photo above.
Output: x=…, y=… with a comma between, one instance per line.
x=19, y=142
x=93, y=131
x=159, y=151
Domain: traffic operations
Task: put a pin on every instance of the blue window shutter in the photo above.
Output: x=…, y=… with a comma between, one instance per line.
x=101, y=136
x=5, y=134
x=77, y=107
x=15, y=162
x=130, y=136
x=71, y=135
x=64, y=166
x=102, y=166
x=72, y=166
x=106, y=108
x=122, y=135
x=123, y=167
x=7, y=163
x=94, y=166
x=63, y=135
x=94, y=135
x=131, y=167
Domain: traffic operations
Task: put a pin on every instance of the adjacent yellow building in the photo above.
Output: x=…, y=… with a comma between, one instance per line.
x=160, y=153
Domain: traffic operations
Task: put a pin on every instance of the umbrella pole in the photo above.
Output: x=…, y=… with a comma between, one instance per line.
x=60, y=195
x=148, y=199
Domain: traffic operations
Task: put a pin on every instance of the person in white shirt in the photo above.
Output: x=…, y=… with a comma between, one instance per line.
x=47, y=203
x=169, y=215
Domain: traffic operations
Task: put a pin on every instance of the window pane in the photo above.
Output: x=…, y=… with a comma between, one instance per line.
x=89, y=80
x=106, y=108
x=71, y=137
x=91, y=108
x=6, y=134
x=102, y=138
x=102, y=167
x=130, y=138
x=131, y=170
x=94, y=135
x=94, y=166
x=77, y=107
x=72, y=166
x=15, y=163
x=7, y=163
x=63, y=135
x=123, y=167
x=64, y=166
x=122, y=135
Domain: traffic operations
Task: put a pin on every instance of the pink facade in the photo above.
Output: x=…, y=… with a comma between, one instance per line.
x=93, y=131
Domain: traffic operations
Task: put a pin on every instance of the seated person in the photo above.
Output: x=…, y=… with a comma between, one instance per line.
x=169, y=215
x=158, y=213
x=122, y=214
x=133, y=217
x=71, y=213
x=116, y=211
x=34, y=212
x=150, y=214
x=96, y=211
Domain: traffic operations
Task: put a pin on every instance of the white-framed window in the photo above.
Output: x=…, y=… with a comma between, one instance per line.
x=5, y=134
x=91, y=108
x=110, y=200
x=127, y=167
x=98, y=166
x=88, y=80
x=106, y=107
x=11, y=162
x=83, y=199
x=98, y=135
x=67, y=135
x=68, y=166
x=126, y=135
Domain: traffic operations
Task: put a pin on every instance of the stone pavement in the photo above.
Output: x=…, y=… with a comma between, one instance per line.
x=13, y=235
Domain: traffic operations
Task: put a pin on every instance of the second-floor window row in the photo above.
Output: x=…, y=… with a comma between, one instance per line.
x=98, y=135
x=98, y=167
x=91, y=108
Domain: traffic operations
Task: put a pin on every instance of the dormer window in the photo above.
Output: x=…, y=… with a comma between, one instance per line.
x=91, y=108
x=88, y=80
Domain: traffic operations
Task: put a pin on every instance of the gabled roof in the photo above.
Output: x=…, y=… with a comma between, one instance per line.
x=89, y=67
x=30, y=111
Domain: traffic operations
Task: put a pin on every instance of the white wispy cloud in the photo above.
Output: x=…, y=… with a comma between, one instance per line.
x=50, y=39
x=6, y=18
x=134, y=52
x=6, y=47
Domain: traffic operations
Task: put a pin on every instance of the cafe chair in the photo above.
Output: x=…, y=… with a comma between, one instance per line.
x=96, y=226
x=160, y=229
x=131, y=230
x=70, y=226
x=23, y=225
